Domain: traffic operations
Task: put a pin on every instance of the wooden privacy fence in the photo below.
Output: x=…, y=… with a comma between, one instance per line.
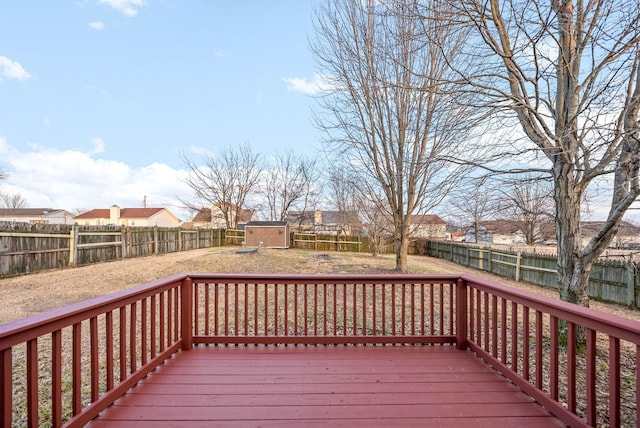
x=318, y=242
x=26, y=248
x=610, y=281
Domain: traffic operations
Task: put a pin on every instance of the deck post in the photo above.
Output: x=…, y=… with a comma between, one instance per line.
x=461, y=314
x=186, y=313
x=6, y=388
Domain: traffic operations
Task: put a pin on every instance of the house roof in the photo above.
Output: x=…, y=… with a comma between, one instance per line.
x=624, y=229
x=502, y=227
x=204, y=215
x=339, y=217
x=426, y=219
x=27, y=212
x=300, y=216
x=328, y=217
x=589, y=228
x=124, y=213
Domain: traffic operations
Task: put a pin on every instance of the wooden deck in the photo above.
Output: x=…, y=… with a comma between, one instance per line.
x=207, y=349
x=325, y=386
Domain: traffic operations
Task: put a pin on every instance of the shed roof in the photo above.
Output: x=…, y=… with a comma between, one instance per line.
x=266, y=223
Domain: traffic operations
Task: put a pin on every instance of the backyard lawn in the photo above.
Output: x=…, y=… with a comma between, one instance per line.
x=30, y=294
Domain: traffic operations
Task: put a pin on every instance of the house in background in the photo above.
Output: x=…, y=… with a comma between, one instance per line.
x=628, y=236
x=508, y=232
x=140, y=217
x=213, y=217
x=428, y=226
x=325, y=222
x=505, y=232
x=36, y=215
x=484, y=235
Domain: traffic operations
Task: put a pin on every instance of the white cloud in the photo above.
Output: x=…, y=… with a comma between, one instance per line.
x=97, y=25
x=98, y=145
x=126, y=7
x=13, y=69
x=69, y=179
x=320, y=83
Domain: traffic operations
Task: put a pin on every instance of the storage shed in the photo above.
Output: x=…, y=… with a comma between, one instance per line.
x=272, y=234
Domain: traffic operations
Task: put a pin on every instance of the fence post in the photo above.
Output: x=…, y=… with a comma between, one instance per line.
x=186, y=313
x=156, y=245
x=461, y=314
x=129, y=241
x=73, y=245
x=631, y=284
x=123, y=242
x=179, y=246
x=489, y=264
x=518, y=262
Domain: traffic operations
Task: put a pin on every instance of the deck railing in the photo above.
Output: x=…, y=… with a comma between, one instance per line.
x=579, y=363
x=327, y=309
x=64, y=367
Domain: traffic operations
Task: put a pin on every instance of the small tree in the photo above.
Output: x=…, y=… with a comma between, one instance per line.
x=288, y=183
x=225, y=180
x=13, y=201
x=529, y=202
x=472, y=204
x=349, y=193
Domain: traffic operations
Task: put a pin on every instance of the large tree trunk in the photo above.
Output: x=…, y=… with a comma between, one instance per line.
x=573, y=271
x=402, y=248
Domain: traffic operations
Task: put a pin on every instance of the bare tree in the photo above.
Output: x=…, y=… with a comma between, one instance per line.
x=568, y=73
x=288, y=184
x=12, y=200
x=472, y=204
x=349, y=193
x=529, y=202
x=225, y=180
x=389, y=114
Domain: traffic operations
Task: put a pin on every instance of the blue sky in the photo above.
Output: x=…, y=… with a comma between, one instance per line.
x=99, y=97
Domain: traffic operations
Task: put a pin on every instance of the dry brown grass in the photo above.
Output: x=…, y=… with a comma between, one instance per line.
x=30, y=294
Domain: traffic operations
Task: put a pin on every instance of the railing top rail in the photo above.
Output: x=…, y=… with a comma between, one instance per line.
x=21, y=330
x=395, y=278
x=610, y=324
